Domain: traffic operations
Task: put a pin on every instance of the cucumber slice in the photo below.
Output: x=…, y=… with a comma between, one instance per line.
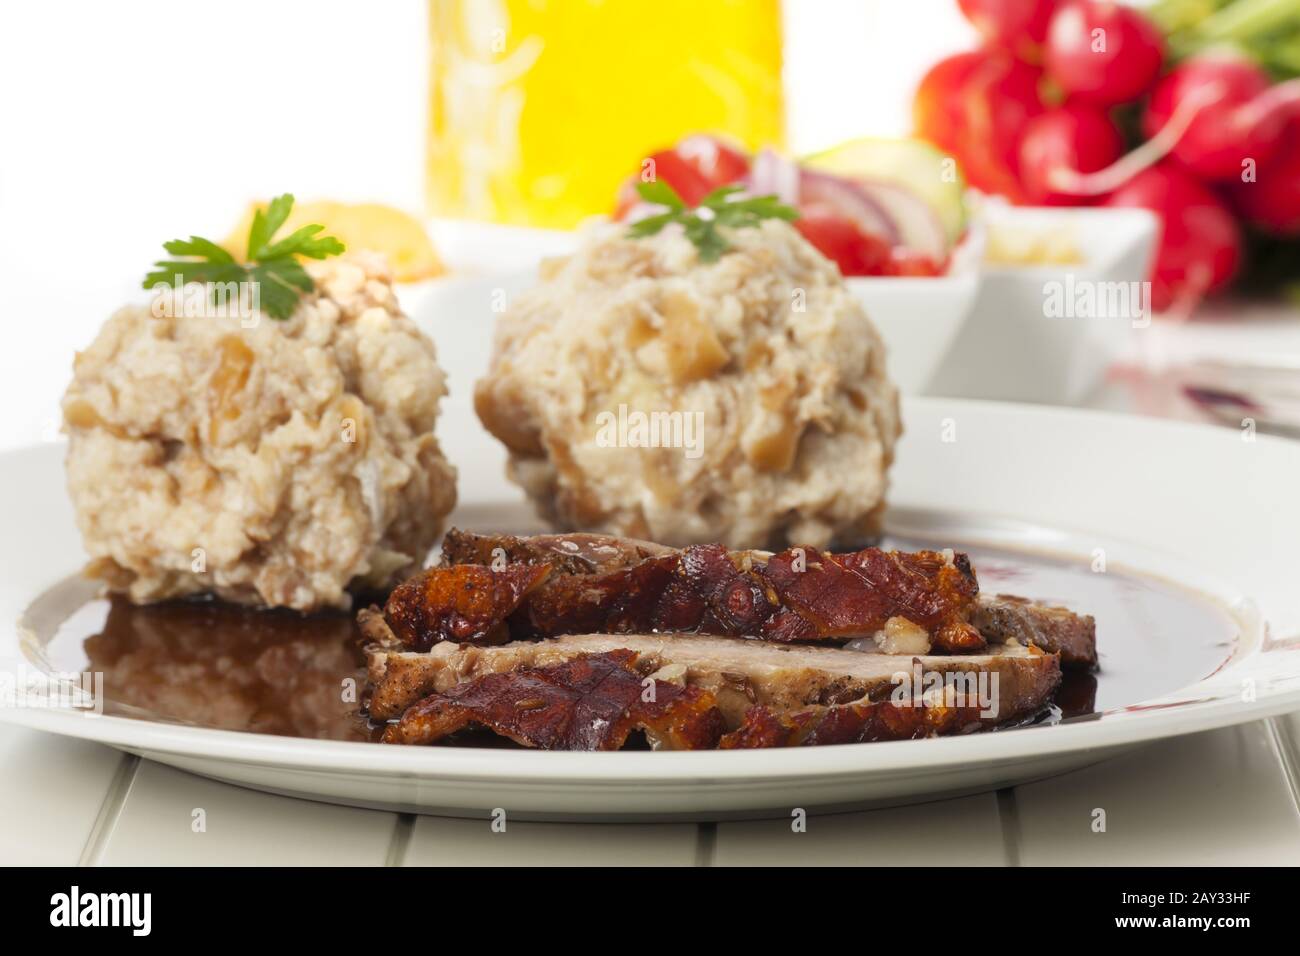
x=910, y=163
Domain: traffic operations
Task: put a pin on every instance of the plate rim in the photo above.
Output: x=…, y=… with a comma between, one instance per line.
x=655, y=769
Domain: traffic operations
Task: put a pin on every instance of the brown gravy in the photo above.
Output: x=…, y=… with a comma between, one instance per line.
x=277, y=672
x=219, y=665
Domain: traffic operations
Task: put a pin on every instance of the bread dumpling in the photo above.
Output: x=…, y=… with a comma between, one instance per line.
x=286, y=464
x=643, y=392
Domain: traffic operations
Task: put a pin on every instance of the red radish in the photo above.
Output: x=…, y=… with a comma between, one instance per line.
x=1060, y=144
x=1233, y=121
x=999, y=99
x=1272, y=201
x=936, y=114
x=1199, y=247
x=1019, y=26
x=1212, y=113
x=1102, y=53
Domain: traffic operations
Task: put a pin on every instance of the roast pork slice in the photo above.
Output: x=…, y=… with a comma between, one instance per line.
x=1017, y=681
x=574, y=553
x=800, y=594
x=996, y=618
x=1005, y=617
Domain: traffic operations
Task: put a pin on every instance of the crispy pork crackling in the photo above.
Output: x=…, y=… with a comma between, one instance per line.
x=494, y=588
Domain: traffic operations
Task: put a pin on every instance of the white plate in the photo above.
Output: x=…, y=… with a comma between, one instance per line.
x=1191, y=504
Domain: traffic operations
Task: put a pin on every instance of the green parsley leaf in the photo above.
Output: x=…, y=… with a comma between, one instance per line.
x=651, y=224
x=660, y=193
x=280, y=282
x=721, y=193
x=266, y=222
x=707, y=240
x=720, y=209
x=274, y=266
x=303, y=242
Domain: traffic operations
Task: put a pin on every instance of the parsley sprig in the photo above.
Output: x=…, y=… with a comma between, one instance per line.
x=274, y=266
x=701, y=224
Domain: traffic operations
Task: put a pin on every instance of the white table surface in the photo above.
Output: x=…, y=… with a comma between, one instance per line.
x=1222, y=797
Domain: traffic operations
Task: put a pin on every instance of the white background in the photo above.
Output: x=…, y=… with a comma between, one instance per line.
x=125, y=124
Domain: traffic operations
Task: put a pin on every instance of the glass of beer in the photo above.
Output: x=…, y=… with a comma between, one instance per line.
x=539, y=109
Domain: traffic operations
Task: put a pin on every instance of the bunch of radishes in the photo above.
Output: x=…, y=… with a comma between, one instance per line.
x=1076, y=101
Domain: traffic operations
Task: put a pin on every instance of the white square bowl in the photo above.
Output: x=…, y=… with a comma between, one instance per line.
x=1011, y=347
x=920, y=318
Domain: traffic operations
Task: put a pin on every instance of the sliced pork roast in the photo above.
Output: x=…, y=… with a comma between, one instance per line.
x=1005, y=617
x=755, y=686
x=581, y=641
x=595, y=701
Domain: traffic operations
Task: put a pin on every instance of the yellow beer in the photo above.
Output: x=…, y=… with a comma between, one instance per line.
x=539, y=109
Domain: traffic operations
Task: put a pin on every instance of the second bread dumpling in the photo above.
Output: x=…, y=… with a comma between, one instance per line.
x=643, y=392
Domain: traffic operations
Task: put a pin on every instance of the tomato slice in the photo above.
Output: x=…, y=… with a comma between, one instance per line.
x=670, y=168
x=718, y=162
x=694, y=168
x=857, y=253
x=683, y=176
